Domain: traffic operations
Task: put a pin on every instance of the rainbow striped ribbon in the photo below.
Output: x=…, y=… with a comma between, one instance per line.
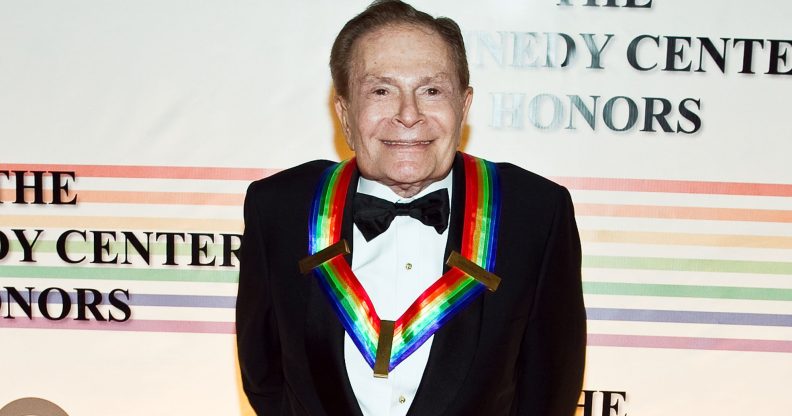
x=438, y=303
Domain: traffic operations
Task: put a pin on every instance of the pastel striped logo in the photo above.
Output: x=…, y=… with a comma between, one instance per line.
x=662, y=258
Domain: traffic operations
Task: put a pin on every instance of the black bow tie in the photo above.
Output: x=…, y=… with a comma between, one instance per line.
x=373, y=215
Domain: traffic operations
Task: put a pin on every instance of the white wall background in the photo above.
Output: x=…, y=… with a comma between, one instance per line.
x=245, y=84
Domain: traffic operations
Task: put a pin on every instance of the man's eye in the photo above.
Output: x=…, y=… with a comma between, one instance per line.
x=433, y=91
x=380, y=91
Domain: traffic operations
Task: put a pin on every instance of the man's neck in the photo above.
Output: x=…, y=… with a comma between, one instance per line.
x=409, y=190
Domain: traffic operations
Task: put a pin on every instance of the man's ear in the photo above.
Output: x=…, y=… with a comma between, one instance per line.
x=342, y=112
x=467, y=100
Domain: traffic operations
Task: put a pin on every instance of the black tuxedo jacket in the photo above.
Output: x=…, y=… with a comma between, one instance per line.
x=517, y=351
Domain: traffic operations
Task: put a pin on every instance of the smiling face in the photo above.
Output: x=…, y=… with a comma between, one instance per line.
x=405, y=108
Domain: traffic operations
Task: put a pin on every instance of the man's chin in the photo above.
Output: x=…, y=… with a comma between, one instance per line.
x=412, y=175
x=405, y=170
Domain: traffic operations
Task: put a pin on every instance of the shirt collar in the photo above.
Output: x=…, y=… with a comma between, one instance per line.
x=374, y=188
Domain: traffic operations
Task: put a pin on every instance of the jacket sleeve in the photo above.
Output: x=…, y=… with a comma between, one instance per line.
x=550, y=372
x=258, y=343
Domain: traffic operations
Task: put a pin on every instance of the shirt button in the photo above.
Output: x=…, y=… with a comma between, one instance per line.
x=408, y=266
x=402, y=399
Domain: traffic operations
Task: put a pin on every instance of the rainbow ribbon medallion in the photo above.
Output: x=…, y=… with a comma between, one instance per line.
x=471, y=273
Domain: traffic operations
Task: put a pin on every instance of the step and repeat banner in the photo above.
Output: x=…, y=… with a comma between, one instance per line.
x=131, y=129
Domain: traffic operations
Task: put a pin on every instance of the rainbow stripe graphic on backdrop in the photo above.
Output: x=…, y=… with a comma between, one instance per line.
x=662, y=258
x=437, y=304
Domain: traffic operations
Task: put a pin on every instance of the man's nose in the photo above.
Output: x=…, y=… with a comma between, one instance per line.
x=409, y=113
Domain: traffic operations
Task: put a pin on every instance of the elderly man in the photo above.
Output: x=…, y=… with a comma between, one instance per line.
x=413, y=279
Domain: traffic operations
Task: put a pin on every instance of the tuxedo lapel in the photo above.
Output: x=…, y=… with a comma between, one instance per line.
x=324, y=337
x=454, y=344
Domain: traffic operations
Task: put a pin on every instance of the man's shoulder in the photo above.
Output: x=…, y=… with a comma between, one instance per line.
x=531, y=202
x=517, y=179
x=298, y=178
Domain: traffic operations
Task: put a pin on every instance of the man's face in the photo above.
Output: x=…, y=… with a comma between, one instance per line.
x=405, y=109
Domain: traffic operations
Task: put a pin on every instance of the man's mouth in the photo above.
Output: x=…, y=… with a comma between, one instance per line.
x=406, y=143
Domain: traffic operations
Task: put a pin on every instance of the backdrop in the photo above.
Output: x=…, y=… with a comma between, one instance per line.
x=130, y=130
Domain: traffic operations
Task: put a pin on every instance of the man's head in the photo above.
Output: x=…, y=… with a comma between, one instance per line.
x=391, y=13
x=402, y=93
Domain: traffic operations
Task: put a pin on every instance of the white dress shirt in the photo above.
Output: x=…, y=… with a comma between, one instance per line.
x=395, y=268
